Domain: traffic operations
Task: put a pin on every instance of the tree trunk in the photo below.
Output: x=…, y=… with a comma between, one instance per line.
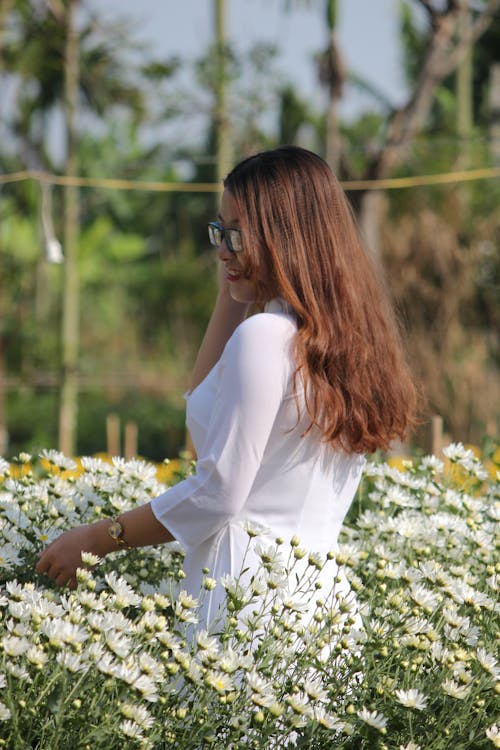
x=464, y=80
x=70, y=312
x=494, y=107
x=5, y=6
x=332, y=75
x=221, y=120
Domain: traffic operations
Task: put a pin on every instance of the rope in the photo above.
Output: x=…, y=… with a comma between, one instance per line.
x=392, y=183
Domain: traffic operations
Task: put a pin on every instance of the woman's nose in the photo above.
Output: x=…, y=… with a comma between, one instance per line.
x=224, y=252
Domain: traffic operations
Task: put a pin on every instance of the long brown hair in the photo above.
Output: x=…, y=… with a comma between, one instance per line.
x=301, y=243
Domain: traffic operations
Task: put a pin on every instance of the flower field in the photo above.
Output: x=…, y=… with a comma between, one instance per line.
x=406, y=661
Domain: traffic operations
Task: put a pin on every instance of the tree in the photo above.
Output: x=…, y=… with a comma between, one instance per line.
x=41, y=54
x=443, y=52
x=332, y=76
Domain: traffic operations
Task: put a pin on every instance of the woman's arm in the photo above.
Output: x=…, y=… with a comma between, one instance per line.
x=60, y=559
x=226, y=317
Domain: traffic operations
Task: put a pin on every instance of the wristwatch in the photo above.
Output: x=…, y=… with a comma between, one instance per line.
x=115, y=530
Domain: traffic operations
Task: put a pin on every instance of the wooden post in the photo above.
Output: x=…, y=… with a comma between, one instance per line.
x=113, y=434
x=436, y=434
x=131, y=440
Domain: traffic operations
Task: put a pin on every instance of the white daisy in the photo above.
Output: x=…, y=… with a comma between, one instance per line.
x=73, y=662
x=455, y=690
x=147, y=687
x=254, y=529
x=488, y=662
x=125, y=595
x=4, y=711
x=118, y=643
x=131, y=729
x=493, y=734
x=412, y=699
x=138, y=713
x=58, y=459
x=372, y=718
x=221, y=682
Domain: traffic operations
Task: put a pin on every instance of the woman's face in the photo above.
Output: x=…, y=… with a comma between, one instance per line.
x=241, y=289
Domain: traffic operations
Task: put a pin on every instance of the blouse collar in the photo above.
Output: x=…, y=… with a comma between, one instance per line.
x=278, y=305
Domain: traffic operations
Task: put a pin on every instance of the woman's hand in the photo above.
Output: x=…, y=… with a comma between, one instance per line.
x=61, y=558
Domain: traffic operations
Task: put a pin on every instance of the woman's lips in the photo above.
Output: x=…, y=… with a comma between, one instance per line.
x=232, y=275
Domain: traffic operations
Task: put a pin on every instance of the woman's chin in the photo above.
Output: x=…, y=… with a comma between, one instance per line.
x=242, y=291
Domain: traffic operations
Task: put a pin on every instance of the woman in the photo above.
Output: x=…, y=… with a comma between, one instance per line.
x=284, y=404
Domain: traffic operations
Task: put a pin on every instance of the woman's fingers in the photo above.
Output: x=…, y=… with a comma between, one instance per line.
x=61, y=558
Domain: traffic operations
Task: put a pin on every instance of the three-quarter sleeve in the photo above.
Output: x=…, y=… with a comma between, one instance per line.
x=254, y=373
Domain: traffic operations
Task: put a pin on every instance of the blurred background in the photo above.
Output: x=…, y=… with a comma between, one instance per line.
x=117, y=125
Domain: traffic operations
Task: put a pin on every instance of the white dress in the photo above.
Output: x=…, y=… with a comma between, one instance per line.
x=252, y=462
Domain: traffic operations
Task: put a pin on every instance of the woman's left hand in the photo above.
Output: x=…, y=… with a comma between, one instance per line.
x=61, y=558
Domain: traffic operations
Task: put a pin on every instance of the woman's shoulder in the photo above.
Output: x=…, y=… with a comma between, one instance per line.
x=266, y=326
x=264, y=333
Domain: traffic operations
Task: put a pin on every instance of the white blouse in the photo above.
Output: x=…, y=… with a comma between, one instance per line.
x=252, y=462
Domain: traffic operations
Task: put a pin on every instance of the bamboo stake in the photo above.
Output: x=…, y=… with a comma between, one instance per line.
x=113, y=434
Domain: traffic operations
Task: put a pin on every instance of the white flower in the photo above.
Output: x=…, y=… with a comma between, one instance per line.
x=4, y=711
x=455, y=690
x=456, y=451
x=257, y=684
x=14, y=646
x=125, y=595
x=270, y=556
x=21, y=673
x=410, y=746
x=233, y=588
x=4, y=466
x=254, y=529
x=131, y=729
x=186, y=601
x=73, y=662
x=229, y=661
x=146, y=686
x=90, y=560
x=59, y=632
x=221, y=682
x=316, y=560
x=372, y=718
x=138, y=713
x=58, y=459
x=118, y=643
x=433, y=463
x=493, y=734
x=422, y=596
x=314, y=689
x=412, y=699
x=488, y=662
x=299, y=703
x=37, y=656
x=206, y=642
x=150, y=666
x=327, y=720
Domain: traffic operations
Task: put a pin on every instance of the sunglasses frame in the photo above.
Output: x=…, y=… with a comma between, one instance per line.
x=225, y=233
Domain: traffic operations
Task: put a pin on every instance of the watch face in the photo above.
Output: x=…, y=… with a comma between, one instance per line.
x=115, y=530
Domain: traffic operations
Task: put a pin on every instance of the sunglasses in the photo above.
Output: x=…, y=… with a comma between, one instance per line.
x=217, y=233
